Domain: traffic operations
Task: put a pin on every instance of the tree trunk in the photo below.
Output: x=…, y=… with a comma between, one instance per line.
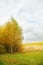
x=11, y=49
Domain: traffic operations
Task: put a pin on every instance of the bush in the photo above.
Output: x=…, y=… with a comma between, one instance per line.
x=18, y=48
x=2, y=49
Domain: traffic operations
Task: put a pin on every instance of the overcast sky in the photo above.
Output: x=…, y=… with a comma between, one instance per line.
x=28, y=13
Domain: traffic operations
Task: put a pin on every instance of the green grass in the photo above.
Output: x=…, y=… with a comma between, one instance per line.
x=30, y=58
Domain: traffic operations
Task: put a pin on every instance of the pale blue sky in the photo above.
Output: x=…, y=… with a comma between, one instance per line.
x=28, y=13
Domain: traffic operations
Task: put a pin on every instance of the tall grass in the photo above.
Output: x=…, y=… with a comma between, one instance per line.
x=30, y=58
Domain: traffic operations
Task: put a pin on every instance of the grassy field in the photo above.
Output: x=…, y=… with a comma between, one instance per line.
x=29, y=58
x=33, y=47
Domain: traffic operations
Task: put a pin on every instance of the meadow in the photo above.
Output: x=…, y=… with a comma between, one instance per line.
x=27, y=58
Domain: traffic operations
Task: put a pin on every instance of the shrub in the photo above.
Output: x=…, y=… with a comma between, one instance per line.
x=2, y=49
